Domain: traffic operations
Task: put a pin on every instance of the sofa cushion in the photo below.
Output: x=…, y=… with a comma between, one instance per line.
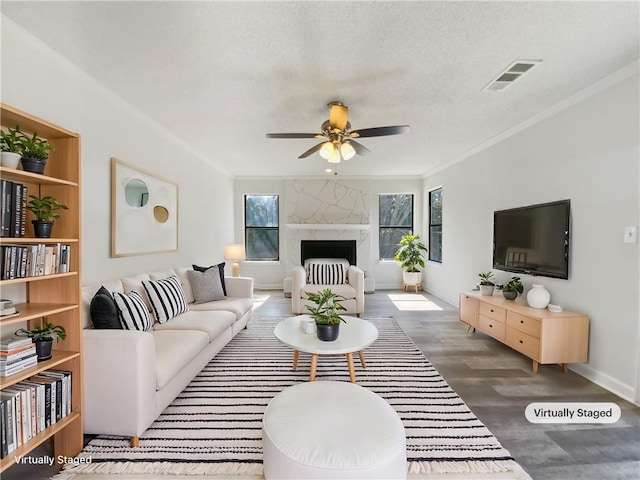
x=239, y=306
x=133, y=312
x=174, y=350
x=103, y=310
x=220, y=269
x=184, y=281
x=345, y=290
x=206, y=285
x=325, y=273
x=211, y=323
x=166, y=297
x=134, y=284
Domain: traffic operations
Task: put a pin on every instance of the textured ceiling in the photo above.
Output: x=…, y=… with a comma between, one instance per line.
x=222, y=74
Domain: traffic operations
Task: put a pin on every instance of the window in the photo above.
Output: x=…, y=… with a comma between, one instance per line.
x=261, y=227
x=396, y=219
x=435, y=225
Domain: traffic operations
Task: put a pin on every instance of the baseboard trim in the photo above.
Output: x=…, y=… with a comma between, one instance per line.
x=624, y=391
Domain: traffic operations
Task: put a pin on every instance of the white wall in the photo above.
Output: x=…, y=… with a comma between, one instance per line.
x=387, y=274
x=38, y=80
x=588, y=153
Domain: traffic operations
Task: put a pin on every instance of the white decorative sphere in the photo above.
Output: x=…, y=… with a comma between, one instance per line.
x=538, y=296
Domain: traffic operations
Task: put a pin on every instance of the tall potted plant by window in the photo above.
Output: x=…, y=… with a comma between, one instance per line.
x=410, y=254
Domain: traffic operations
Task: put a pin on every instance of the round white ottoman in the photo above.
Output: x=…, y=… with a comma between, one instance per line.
x=332, y=430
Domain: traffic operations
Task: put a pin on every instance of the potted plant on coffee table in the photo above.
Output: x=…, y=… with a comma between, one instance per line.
x=35, y=152
x=325, y=313
x=410, y=254
x=45, y=211
x=11, y=147
x=511, y=289
x=43, y=338
x=486, y=283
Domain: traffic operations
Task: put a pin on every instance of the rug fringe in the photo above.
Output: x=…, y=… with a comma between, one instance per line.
x=462, y=467
x=162, y=468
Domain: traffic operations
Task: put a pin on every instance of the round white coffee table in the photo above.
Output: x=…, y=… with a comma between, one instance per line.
x=355, y=336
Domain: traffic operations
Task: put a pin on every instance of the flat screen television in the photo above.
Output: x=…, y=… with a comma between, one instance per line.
x=533, y=239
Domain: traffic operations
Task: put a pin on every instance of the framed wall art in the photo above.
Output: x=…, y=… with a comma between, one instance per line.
x=144, y=211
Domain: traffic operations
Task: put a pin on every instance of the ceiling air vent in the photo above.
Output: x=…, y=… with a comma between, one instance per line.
x=511, y=74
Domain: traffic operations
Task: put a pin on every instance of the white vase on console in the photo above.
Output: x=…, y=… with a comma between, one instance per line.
x=538, y=296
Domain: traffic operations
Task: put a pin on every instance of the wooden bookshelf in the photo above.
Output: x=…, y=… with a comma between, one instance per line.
x=54, y=298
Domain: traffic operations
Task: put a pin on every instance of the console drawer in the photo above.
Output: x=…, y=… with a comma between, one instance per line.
x=491, y=311
x=528, y=325
x=492, y=327
x=523, y=343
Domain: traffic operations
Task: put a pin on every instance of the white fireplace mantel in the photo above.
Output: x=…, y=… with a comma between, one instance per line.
x=329, y=226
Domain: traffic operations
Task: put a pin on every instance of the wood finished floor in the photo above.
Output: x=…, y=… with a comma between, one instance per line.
x=497, y=384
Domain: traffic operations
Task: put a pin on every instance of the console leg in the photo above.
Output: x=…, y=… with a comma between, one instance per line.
x=535, y=366
x=565, y=367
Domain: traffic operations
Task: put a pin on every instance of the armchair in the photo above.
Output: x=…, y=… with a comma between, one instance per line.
x=334, y=273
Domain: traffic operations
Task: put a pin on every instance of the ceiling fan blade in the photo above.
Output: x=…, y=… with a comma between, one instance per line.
x=379, y=131
x=338, y=117
x=294, y=135
x=359, y=148
x=312, y=150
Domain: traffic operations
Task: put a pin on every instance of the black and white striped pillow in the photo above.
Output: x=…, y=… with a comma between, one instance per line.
x=132, y=311
x=166, y=297
x=325, y=273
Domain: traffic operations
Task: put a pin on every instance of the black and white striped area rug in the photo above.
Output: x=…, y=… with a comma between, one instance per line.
x=214, y=426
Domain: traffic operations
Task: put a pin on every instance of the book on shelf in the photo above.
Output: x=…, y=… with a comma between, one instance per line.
x=13, y=208
x=18, y=353
x=5, y=303
x=8, y=311
x=21, y=261
x=10, y=343
x=18, y=366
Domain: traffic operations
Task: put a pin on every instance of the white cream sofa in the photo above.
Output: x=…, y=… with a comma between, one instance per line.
x=130, y=376
x=352, y=290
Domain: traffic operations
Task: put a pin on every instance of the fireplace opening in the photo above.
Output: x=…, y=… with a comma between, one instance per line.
x=328, y=249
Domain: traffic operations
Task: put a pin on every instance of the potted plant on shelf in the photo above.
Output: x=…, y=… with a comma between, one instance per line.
x=35, y=152
x=410, y=255
x=45, y=211
x=325, y=313
x=11, y=147
x=486, y=283
x=512, y=288
x=43, y=338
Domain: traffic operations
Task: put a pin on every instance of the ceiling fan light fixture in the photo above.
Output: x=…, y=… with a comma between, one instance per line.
x=335, y=155
x=326, y=150
x=347, y=150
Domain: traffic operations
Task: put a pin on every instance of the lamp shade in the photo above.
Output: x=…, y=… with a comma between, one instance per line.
x=234, y=251
x=347, y=150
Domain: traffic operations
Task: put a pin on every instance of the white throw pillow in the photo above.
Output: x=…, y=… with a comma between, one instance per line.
x=325, y=274
x=167, y=298
x=133, y=312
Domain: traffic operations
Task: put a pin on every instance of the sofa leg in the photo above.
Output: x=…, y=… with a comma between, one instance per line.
x=358, y=315
x=134, y=441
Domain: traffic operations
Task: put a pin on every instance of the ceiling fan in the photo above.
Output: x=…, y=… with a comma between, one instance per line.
x=338, y=137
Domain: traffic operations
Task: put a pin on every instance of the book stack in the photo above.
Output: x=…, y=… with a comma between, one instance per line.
x=13, y=208
x=7, y=308
x=20, y=261
x=29, y=407
x=16, y=354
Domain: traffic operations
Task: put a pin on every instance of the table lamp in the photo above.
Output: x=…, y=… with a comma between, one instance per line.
x=234, y=252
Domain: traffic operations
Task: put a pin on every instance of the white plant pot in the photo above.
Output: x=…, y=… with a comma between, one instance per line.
x=412, y=278
x=486, y=290
x=10, y=159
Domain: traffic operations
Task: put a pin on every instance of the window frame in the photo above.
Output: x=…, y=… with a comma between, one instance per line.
x=258, y=228
x=396, y=227
x=432, y=224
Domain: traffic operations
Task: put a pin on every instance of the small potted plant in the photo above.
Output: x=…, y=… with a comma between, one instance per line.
x=512, y=288
x=410, y=254
x=45, y=211
x=35, y=152
x=43, y=338
x=11, y=147
x=325, y=313
x=486, y=283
